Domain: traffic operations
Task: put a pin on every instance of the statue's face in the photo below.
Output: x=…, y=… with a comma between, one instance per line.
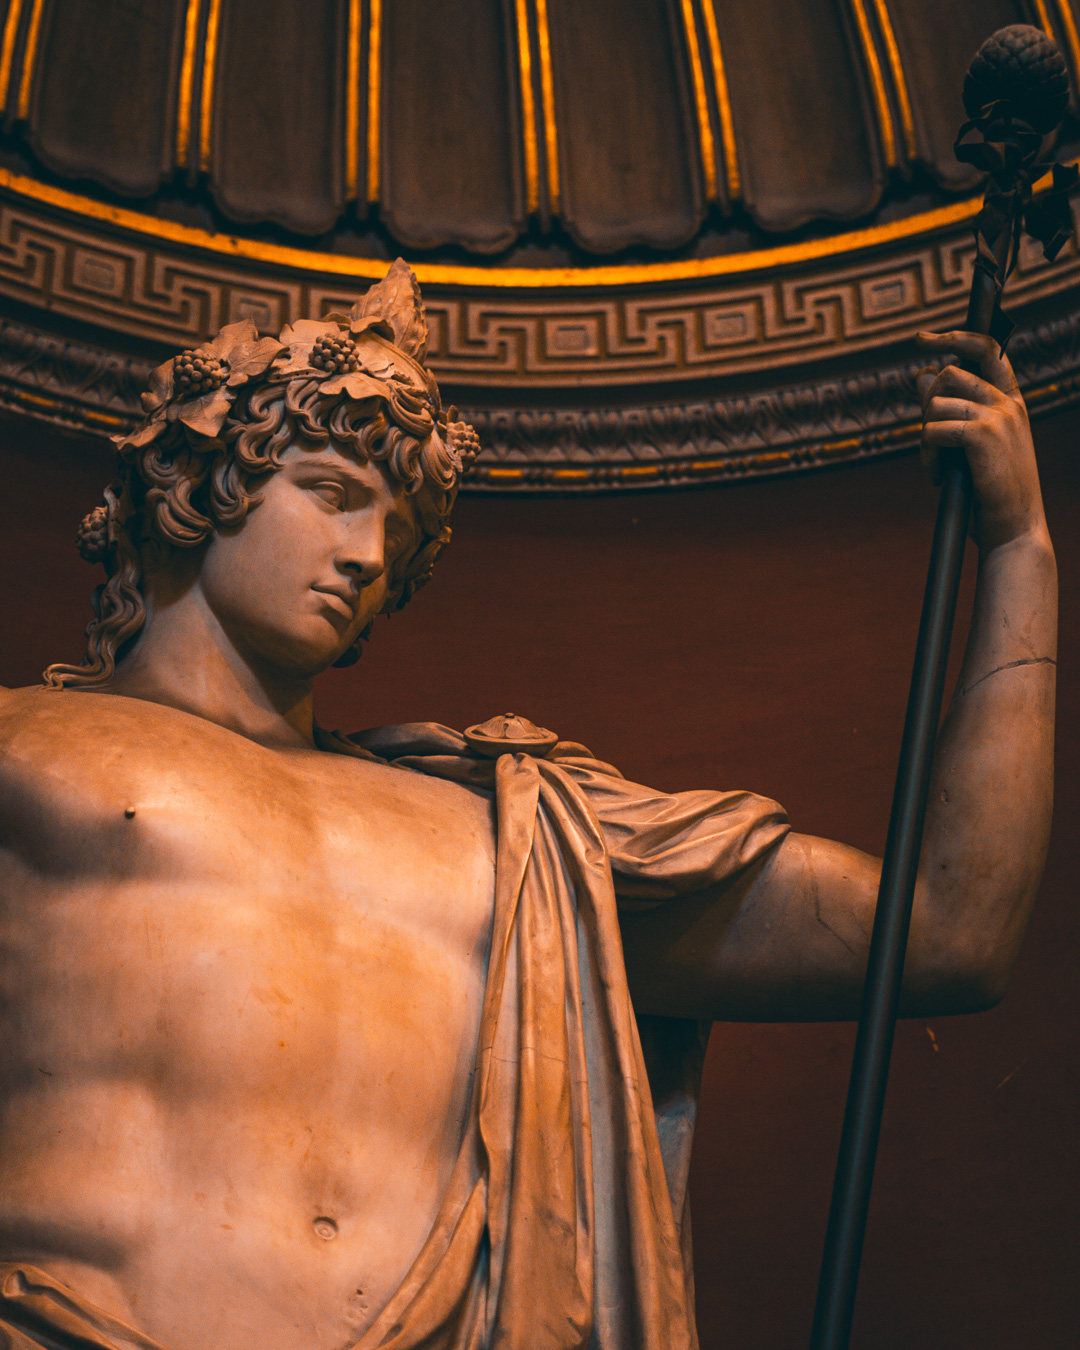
x=309, y=568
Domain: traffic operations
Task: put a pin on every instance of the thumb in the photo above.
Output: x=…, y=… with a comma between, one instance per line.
x=982, y=351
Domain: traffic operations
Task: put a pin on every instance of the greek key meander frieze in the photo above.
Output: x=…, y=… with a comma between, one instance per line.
x=861, y=416
x=734, y=327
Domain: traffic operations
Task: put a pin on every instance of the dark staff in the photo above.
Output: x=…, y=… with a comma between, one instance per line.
x=1015, y=95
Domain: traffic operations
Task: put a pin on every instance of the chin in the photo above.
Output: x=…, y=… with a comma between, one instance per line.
x=304, y=654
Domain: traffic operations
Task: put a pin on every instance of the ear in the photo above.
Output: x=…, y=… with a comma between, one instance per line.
x=397, y=300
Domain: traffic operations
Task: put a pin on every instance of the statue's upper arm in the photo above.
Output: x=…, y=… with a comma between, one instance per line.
x=784, y=941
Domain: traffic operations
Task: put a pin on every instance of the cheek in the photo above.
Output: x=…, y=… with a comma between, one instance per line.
x=273, y=557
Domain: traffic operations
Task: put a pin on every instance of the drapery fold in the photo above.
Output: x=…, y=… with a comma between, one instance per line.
x=561, y=1227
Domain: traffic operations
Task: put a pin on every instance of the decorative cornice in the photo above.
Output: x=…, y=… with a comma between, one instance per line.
x=734, y=328
x=834, y=421
x=570, y=389
x=571, y=449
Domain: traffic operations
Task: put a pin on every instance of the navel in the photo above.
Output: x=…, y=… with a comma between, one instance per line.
x=325, y=1228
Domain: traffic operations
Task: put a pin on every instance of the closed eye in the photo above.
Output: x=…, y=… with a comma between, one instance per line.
x=331, y=493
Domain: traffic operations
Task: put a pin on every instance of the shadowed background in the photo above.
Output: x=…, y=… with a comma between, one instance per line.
x=754, y=636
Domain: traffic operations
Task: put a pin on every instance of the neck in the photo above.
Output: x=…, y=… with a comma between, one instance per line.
x=184, y=659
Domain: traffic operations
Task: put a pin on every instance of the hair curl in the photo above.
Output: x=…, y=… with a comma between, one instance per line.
x=175, y=491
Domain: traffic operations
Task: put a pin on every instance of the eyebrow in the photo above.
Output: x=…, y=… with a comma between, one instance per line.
x=336, y=463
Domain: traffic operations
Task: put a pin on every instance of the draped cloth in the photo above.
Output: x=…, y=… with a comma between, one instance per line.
x=562, y=1226
x=36, y=1311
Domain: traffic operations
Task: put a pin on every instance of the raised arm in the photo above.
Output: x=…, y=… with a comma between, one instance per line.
x=789, y=940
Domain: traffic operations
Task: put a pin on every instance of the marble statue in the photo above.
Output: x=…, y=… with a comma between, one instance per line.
x=315, y=1041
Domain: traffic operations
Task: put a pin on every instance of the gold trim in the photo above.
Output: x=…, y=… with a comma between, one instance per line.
x=1072, y=36
x=206, y=103
x=723, y=103
x=7, y=50
x=352, y=102
x=877, y=84
x=899, y=79
x=374, y=99
x=304, y=261
x=1044, y=17
x=547, y=94
x=528, y=108
x=33, y=32
x=187, y=84
x=701, y=103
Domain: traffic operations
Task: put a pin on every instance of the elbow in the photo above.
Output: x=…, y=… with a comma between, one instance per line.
x=982, y=991
x=959, y=981
x=974, y=985
x=964, y=963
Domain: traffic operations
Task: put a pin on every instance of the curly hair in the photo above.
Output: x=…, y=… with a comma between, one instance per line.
x=173, y=492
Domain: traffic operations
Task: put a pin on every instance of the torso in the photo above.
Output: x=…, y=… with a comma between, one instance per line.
x=240, y=990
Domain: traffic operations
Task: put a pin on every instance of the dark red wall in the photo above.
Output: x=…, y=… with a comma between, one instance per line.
x=756, y=636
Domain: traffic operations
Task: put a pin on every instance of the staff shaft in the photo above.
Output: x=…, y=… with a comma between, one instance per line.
x=885, y=967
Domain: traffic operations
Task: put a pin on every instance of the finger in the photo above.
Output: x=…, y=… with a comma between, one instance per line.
x=946, y=435
x=954, y=382
x=980, y=348
x=923, y=382
x=941, y=409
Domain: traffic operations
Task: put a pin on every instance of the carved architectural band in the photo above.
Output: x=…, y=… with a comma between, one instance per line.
x=731, y=327
x=570, y=389
x=835, y=420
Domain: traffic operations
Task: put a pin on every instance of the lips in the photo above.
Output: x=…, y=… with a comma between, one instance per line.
x=336, y=601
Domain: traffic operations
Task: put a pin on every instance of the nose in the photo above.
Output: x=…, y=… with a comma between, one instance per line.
x=363, y=555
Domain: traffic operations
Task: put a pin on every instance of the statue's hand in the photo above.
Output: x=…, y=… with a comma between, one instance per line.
x=986, y=419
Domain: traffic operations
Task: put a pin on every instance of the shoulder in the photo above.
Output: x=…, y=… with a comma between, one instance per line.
x=40, y=725
x=37, y=706
x=65, y=732
x=16, y=705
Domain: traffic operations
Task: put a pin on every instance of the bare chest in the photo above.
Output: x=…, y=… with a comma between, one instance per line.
x=182, y=907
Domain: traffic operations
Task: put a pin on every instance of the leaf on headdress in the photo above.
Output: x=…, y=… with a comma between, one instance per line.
x=368, y=323
x=374, y=356
x=206, y=414
x=232, y=335
x=298, y=339
x=307, y=331
x=161, y=387
x=142, y=435
x=250, y=359
x=397, y=299
x=295, y=364
x=356, y=384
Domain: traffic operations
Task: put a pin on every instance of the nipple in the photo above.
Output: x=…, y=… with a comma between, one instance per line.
x=325, y=1228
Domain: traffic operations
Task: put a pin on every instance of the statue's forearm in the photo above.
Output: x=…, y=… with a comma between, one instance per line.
x=988, y=819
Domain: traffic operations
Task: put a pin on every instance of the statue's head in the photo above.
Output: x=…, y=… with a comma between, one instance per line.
x=226, y=417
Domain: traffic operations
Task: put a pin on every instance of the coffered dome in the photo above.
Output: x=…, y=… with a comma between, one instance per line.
x=574, y=129
x=660, y=241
